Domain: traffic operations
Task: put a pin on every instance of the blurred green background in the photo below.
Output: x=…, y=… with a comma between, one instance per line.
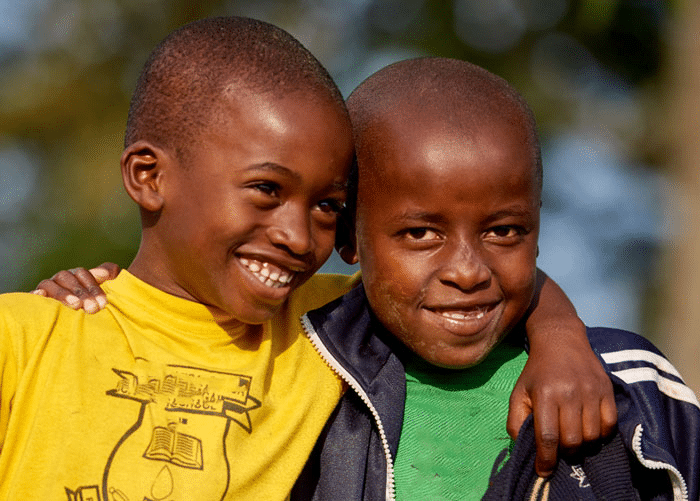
x=615, y=86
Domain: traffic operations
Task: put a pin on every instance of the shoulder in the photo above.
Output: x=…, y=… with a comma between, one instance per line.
x=321, y=289
x=636, y=361
x=26, y=319
x=605, y=339
x=633, y=358
x=26, y=308
x=658, y=414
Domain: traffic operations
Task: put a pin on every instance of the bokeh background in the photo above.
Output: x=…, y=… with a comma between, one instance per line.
x=615, y=86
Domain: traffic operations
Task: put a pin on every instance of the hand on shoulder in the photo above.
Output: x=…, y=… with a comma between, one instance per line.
x=79, y=288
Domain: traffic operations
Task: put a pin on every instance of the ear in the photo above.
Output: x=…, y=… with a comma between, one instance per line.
x=345, y=238
x=142, y=173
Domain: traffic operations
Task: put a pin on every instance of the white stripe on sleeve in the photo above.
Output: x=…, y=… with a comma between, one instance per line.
x=616, y=357
x=666, y=386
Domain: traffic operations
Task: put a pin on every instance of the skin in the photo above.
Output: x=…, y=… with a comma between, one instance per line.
x=258, y=197
x=448, y=250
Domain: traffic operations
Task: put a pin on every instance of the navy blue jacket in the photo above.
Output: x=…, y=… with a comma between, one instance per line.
x=658, y=419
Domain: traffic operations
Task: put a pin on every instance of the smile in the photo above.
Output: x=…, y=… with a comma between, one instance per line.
x=473, y=314
x=268, y=274
x=463, y=320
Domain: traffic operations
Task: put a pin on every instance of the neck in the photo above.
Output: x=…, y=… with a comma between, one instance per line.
x=148, y=267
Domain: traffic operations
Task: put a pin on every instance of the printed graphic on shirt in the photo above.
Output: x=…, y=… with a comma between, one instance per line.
x=177, y=445
x=580, y=475
x=87, y=493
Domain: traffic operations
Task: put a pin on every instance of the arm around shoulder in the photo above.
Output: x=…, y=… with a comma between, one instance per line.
x=563, y=384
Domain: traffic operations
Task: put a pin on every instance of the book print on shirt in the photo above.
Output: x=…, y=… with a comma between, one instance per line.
x=177, y=445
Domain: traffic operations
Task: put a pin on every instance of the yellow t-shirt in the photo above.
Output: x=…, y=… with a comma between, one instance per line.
x=152, y=399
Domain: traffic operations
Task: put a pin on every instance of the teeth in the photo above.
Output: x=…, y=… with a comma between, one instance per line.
x=455, y=315
x=268, y=274
x=464, y=315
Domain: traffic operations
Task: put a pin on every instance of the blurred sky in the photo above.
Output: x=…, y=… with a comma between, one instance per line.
x=602, y=219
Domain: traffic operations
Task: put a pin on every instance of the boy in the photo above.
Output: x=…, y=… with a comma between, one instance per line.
x=449, y=179
x=197, y=382
x=237, y=151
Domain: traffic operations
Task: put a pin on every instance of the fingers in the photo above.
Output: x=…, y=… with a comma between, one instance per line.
x=82, y=285
x=546, y=437
x=89, y=291
x=49, y=288
x=568, y=422
x=590, y=426
x=519, y=409
x=104, y=272
x=75, y=288
x=587, y=415
x=572, y=422
x=608, y=414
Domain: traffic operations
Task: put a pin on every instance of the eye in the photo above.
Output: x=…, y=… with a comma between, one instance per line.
x=330, y=206
x=505, y=233
x=421, y=234
x=268, y=188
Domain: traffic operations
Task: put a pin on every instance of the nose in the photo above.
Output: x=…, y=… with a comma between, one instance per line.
x=464, y=268
x=291, y=229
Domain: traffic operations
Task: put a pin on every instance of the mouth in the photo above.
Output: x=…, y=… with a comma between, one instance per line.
x=464, y=320
x=475, y=313
x=268, y=274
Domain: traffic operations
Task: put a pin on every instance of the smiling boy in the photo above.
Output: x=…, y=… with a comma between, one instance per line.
x=196, y=382
x=448, y=187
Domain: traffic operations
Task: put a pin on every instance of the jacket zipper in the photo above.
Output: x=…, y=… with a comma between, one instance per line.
x=680, y=489
x=355, y=385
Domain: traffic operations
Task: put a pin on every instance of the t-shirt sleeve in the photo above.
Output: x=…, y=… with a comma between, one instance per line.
x=24, y=321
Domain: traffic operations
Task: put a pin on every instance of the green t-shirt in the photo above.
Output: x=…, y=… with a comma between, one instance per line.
x=455, y=426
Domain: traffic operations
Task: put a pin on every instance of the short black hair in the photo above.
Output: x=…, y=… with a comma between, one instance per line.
x=186, y=74
x=463, y=94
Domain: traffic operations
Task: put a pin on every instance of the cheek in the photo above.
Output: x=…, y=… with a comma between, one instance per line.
x=392, y=291
x=391, y=305
x=517, y=279
x=323, y=236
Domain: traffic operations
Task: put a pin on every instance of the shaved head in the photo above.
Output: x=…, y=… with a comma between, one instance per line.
x=189, y=72
x=439, y=93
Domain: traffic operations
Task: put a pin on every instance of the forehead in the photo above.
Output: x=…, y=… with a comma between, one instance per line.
x=299, y=128
x=277, y=111
x=466, y=158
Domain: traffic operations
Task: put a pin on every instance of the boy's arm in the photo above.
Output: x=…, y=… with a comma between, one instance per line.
x=78, y=287
x=563, y=383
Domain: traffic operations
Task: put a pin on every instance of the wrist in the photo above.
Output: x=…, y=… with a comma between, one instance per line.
x=567, y=329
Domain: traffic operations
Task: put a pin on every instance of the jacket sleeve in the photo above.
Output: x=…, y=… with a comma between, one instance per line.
x=658, y=415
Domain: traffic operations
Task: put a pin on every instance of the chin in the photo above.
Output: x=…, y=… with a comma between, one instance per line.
x=456, y=361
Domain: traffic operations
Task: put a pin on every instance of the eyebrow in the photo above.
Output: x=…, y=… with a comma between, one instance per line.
x=431, y=217
x=276, y=168
x=286, y=172
x=425, y=216
x=512, y=212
